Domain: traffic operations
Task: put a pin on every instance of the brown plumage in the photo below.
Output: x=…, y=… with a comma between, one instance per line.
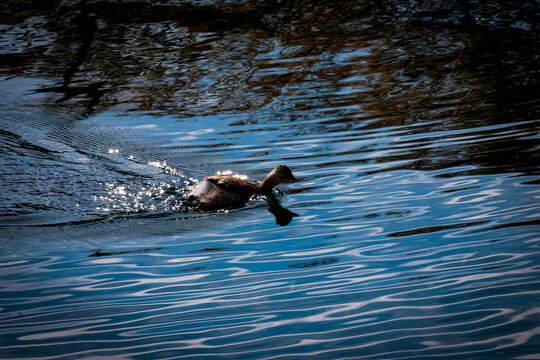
x=225, y=191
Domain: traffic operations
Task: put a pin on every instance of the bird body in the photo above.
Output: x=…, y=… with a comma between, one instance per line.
x=226, y=191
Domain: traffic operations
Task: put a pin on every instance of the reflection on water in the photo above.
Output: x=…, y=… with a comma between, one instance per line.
x=414, y=234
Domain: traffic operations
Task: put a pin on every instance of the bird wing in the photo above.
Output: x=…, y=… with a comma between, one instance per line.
x=232, y=184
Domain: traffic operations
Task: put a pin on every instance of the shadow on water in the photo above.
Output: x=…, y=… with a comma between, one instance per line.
x=282, y=215
x=414, y=235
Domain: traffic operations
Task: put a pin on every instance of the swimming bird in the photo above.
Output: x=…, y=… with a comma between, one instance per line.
x=226, y=191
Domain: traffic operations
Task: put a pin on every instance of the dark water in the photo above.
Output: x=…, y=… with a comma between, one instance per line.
x=414, y=123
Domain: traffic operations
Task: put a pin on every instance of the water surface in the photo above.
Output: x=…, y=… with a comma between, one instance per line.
x=414, y=235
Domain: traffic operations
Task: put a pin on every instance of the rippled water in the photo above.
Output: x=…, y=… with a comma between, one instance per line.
x=414, y=235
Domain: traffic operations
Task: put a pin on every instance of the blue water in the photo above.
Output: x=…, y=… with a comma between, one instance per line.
x=414, y=234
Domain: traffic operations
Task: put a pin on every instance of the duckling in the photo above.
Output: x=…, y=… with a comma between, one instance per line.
x=225, y=191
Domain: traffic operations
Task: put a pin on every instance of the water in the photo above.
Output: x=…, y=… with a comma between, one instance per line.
x=414, y=235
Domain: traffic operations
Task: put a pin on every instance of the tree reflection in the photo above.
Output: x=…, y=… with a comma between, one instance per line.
x=361, y=65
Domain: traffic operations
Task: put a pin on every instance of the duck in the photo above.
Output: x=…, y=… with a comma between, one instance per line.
x=227, y=191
